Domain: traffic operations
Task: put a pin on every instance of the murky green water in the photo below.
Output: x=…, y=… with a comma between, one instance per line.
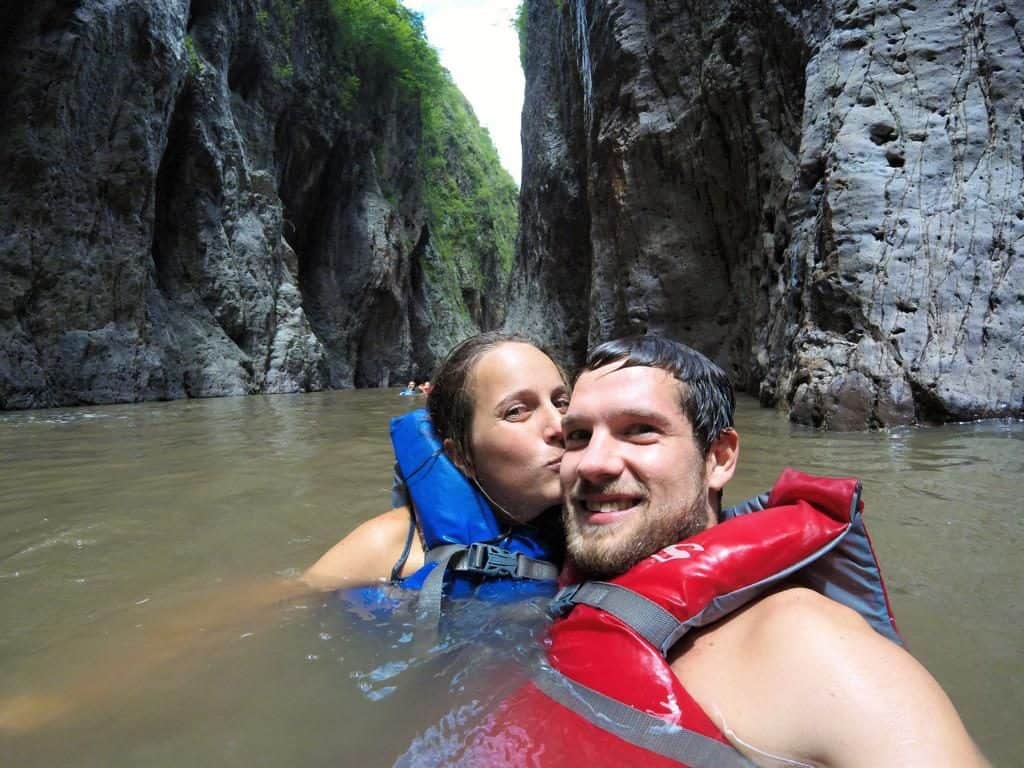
x=117, y=522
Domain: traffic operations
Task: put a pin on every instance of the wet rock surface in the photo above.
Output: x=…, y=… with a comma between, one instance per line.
x=825, y=197
x=191, y=205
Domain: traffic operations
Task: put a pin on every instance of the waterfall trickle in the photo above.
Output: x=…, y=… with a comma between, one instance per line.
x=581, y=40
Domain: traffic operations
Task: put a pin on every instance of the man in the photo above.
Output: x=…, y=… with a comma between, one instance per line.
x=791, y=679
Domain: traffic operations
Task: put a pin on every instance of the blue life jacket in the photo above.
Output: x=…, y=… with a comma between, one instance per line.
x=468, y=551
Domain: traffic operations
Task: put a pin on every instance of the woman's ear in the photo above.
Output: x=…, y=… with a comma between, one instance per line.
x=451, y=450
x=720, y=463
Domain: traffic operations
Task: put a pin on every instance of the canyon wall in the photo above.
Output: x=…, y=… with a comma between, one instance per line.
x=218, y=197
x=825, y=197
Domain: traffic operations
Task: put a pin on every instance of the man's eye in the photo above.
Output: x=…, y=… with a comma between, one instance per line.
x=641, y=429
x=577, y=438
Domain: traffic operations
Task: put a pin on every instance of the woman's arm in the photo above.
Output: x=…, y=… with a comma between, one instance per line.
x=367, y=555
x=207, y=622
x=186, y=627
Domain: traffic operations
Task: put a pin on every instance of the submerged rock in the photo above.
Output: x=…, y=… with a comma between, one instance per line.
x=825, y=197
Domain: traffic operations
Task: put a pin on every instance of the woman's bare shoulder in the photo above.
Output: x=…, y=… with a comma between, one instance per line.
x=365, y=556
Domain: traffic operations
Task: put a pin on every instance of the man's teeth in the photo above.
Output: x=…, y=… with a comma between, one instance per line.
x=609, y=506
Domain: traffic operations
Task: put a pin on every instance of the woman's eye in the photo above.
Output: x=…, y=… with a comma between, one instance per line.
x=561, y=403
x=514, y=412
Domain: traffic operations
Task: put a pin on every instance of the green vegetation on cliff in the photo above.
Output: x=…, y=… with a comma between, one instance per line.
x=471, y=201
x=520, y=23
x=386, y=38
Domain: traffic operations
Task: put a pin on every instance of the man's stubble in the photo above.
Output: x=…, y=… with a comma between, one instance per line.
x=605, y=551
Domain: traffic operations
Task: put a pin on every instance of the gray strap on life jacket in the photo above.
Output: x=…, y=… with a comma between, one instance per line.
x=639, y=728
x=478, y=558
x=428, y=607
x=648, y=619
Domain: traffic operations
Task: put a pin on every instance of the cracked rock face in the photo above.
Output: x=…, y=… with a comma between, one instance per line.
x=824, y=197
x=142, y=247
x=187, y=209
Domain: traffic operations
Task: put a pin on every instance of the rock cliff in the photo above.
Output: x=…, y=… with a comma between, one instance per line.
x=232, y=196
x=824, y=196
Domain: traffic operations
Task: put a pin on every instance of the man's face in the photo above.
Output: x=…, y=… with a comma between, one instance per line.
x=632, y=473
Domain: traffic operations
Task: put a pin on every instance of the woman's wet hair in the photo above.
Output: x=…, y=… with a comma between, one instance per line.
x=450, y=403
x=706, y=393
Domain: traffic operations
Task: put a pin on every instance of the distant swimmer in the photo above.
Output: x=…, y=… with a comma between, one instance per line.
x=425, y=387
x=410, y=389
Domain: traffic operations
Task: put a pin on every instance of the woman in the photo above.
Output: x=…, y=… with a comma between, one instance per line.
x=496, y=407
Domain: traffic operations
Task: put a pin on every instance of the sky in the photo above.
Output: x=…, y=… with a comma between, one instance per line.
x=478, y=44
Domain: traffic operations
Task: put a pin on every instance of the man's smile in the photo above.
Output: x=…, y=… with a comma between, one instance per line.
x=602, y=509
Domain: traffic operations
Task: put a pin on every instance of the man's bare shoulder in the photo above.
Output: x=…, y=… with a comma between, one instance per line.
x=765, y=642
x=800, y=614
x=800, y=676
x=777, y=626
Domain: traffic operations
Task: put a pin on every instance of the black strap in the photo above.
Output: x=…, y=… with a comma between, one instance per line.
x=639, y=728
x=396, y=569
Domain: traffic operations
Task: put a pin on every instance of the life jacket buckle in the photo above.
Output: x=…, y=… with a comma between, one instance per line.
x=491, y=560
x=563, y=602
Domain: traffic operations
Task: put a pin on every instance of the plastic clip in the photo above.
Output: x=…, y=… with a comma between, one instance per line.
x=491, y=560
x=563, y=602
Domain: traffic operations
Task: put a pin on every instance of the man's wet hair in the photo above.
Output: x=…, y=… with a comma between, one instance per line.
x=705, y=391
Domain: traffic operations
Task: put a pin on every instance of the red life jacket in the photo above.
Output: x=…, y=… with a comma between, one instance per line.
x=611, y=698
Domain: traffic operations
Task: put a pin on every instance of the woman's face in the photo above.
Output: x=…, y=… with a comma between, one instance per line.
x=516, y=436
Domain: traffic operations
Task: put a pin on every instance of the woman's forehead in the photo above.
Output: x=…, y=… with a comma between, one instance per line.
x=513, y=365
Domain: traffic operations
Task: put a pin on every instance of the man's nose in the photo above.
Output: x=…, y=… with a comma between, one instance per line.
x=600, y=461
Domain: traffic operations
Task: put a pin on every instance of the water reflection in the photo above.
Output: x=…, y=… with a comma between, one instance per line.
x=113, y=520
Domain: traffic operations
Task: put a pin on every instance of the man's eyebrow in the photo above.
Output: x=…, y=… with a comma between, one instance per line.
x=643, y=414
x=656, y=418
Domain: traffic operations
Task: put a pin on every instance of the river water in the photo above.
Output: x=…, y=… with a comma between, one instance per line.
x=144, y=551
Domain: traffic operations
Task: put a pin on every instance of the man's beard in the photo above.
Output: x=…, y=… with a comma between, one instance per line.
x=604, y=551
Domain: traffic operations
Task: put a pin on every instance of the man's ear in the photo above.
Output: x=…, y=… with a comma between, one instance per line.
x=451, y=450
x=720, y=463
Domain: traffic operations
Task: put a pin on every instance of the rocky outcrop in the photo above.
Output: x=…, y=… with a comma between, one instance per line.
x=208, y=198
x=826, y=197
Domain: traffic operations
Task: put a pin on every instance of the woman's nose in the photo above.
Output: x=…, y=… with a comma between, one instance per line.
x=553, y=426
